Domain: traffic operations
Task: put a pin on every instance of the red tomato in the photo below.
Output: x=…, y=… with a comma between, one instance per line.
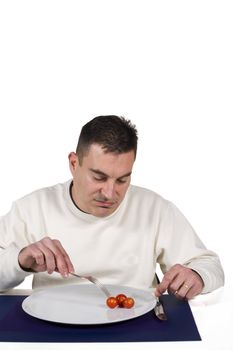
x=128, y=303
x=111, y=302
x=120, y=298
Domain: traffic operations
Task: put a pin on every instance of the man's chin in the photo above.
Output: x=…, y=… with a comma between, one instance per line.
x=102, y=211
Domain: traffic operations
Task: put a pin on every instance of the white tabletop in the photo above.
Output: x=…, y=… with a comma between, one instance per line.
x=213, y=314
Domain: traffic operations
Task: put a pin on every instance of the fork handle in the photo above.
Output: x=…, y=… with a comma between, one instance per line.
x=96, y=283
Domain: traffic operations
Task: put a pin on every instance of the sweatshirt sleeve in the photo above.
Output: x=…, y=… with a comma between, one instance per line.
x=13, y=237
x=179, y=244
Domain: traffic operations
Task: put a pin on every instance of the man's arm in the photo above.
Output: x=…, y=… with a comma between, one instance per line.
x=45, y=255
x=20, y=256
x=11, y=273
x=189, y=268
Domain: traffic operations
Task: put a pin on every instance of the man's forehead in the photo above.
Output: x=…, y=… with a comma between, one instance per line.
x=108, y=164
x=97, y=150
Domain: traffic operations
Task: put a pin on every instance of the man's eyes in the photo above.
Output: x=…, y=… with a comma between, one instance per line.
x=120, y=181
x=103, y=179
x=100, y=178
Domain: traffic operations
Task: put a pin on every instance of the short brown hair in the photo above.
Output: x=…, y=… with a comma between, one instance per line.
x=115, y=134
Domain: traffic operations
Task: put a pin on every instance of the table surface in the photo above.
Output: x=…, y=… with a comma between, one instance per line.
x=213, y=314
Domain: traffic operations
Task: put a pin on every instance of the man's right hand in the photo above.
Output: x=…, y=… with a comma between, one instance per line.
x=45, y=255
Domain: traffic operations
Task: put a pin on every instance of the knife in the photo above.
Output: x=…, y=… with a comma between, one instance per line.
x=159, y=310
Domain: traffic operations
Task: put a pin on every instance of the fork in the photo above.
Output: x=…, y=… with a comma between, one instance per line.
x=95, y=281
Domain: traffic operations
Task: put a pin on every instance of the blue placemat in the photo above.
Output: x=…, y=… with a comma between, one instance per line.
x=17, y=326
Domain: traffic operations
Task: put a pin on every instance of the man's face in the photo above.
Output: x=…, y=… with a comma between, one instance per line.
x=101, y=181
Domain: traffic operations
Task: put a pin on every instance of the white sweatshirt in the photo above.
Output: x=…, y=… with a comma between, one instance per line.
x=122, y=248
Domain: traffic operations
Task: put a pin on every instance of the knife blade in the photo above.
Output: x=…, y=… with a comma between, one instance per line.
x=159, y=310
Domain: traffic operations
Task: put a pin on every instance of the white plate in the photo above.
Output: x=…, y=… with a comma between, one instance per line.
x=85, y=304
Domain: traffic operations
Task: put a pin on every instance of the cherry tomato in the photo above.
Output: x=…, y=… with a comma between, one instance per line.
x=120, y=298
x=112, y=302
x=128, y=303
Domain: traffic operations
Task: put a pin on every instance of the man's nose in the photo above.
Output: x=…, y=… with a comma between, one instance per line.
x=108, y=189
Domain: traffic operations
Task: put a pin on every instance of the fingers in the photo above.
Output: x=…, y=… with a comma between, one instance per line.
x=46, y=255
x=168, y=278
x=65, y=256
x=180, y=281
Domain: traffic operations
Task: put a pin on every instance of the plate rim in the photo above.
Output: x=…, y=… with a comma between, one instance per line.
x=25, y=302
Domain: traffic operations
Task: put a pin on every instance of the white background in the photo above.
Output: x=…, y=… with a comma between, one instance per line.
x=166, y=65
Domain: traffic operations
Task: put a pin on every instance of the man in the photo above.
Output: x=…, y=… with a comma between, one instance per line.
x=98, y=223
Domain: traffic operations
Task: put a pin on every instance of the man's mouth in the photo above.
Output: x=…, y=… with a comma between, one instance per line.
x=104, y=204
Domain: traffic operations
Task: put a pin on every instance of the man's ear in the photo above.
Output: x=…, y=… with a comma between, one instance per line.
x=73, y=161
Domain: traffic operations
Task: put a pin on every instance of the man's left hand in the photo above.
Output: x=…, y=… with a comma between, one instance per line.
x=181, y=281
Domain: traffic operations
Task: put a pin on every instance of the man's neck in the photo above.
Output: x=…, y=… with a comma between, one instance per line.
x=72, y=198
